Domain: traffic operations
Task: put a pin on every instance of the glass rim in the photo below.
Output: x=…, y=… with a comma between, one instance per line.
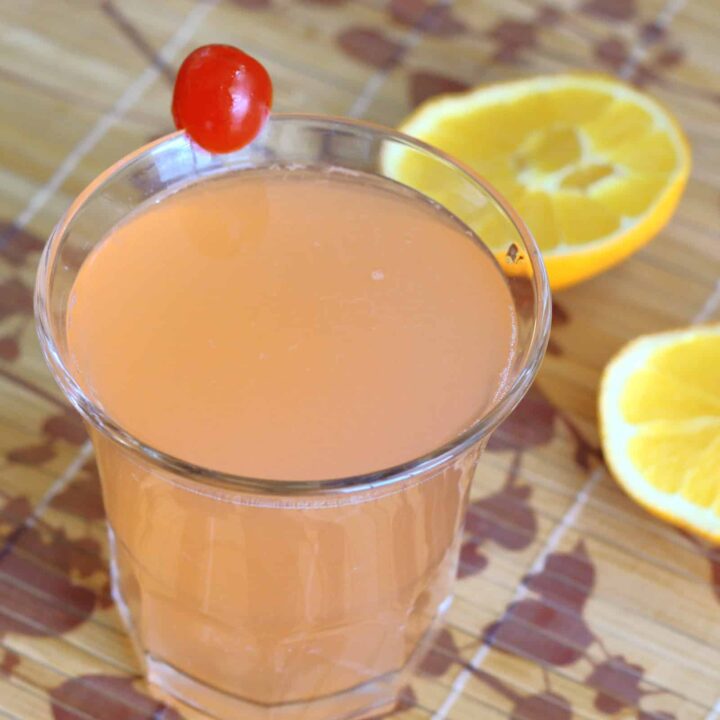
x=480, y=427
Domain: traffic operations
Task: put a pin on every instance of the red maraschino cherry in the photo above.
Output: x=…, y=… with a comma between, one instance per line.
x=222, y=97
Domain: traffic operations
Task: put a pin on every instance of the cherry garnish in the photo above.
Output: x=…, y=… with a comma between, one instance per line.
x=222, y=97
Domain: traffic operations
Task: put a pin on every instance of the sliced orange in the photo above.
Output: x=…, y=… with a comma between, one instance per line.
x=660, y=425
x=593, y=166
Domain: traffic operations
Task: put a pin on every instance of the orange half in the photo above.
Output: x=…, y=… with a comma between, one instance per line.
x=593, y=166
x=660, y=425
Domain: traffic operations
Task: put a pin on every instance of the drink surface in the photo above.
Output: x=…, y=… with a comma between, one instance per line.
x=292, y=325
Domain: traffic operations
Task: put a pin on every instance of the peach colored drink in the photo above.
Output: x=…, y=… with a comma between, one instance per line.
x=289, y=325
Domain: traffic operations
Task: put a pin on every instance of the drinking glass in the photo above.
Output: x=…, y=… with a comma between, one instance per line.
x=263, y=599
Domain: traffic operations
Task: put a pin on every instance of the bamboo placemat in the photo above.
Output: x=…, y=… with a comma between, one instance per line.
x=572, y=602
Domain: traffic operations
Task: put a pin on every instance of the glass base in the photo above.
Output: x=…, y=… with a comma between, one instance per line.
x=198, y=701
x=185, y=693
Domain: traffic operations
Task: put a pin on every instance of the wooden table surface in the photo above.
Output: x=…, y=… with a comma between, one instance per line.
x=572, y=602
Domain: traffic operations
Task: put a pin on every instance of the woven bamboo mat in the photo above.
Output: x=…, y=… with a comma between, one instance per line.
x=572, y=602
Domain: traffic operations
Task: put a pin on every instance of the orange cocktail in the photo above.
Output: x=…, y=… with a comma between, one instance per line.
x=289, y=369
